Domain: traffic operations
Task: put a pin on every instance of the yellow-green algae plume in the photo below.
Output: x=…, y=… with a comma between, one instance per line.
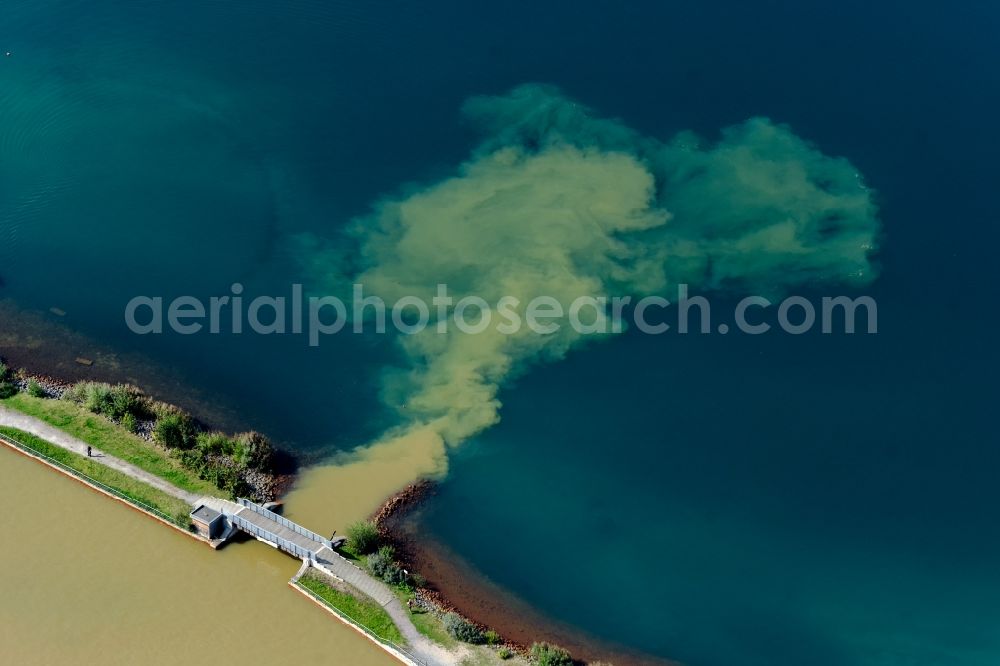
x=557, y=201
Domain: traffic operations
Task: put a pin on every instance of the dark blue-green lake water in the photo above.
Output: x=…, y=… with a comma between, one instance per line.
x=773, y=500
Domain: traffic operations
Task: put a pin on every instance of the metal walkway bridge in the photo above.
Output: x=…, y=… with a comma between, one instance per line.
x=278, y=531
x=281, y=533
x=304, y=544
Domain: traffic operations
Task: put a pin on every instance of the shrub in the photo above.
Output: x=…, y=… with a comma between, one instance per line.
x=383, y=564
x=35, y=390
x=492, y=637
x=387, y=553
x=462, y=629
x=394, y=575
x=545, y=654
x=94, y=396
x=418, y=580
x=74, y=393
x=4, y=371
x=7, y=390
x=225, y=477
x=113, y=402
x=363, y=537
x=240, y=488
x=215, y=443
x=505, y=652
x=125, y=399
x=253, y=451
x=190, y=458
x=175, y=430
x=130, y=423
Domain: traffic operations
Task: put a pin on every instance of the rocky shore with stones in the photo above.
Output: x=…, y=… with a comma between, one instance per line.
x=452, y=585
x=264, y=486
x=388, y=518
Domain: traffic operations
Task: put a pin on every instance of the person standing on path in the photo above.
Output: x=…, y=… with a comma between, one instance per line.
x=88, y=450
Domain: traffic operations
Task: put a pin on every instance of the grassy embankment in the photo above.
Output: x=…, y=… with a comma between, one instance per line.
x=366, y=547
x=112, y=439
x=136, y=491
x=427, y=623
x=356, y=607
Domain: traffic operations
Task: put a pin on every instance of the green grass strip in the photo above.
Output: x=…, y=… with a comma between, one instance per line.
x=174, y=509
x=426, y=622
x=112, y=439
x=363, y=611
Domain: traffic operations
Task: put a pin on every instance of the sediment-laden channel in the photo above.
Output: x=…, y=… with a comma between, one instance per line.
x=87, y=580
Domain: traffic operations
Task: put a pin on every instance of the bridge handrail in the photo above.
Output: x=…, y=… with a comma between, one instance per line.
x=283, y=544
x=281, y=520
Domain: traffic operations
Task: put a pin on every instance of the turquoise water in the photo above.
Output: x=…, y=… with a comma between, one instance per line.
x=818, y=500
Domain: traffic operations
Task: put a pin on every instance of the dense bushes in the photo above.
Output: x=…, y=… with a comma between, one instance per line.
x=226, y=477
x=215, y=444
x=462, y=629
x=114, y=402
x=130, y=423
x=383, y=564
x=363, y=537
x=381, y=560
x=248, y=450
x=253, y=451
x=216, y=457
x=545, y=654
x=126, y=400
x=175, y=429
x=237, y=464
x=7, y=389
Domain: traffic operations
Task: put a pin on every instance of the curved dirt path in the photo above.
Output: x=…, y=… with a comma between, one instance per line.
x=29, y=424
x=426, y=650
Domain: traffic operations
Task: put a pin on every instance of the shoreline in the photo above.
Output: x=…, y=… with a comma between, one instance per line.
x=93, y=486
x=50, y=351
x=340, y=618
x=454, y=585
x=49, y=348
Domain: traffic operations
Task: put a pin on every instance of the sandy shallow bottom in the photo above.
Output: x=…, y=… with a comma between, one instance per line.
x=45, y=344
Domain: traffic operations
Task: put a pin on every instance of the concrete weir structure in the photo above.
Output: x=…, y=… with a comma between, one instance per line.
x=218, y=519
x=223, y=517
x=281, y=533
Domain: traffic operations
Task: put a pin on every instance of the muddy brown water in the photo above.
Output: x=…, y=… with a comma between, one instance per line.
x=85, y=579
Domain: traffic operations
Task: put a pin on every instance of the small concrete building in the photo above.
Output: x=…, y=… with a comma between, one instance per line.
x=208, y=522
